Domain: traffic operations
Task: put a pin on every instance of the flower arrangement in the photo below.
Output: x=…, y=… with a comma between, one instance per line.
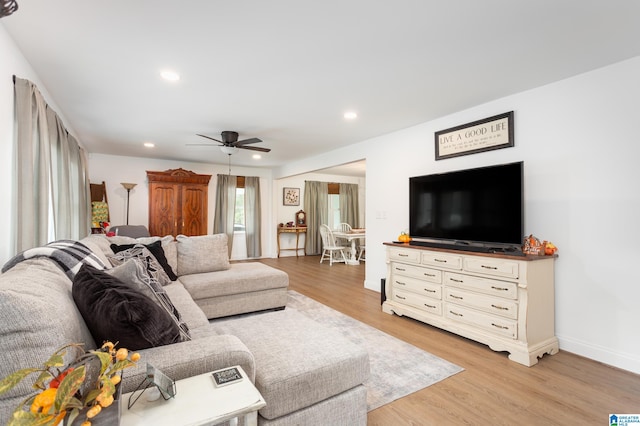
x=87, y=385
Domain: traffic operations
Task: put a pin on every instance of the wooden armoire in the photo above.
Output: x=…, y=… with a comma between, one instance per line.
x=178, y=202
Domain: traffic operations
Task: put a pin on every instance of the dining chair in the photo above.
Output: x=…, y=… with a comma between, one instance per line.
x=330, y=249
x=344, y=227
x=362, y=253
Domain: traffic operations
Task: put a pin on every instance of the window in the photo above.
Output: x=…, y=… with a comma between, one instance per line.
x=238, y=217
x=334, y=211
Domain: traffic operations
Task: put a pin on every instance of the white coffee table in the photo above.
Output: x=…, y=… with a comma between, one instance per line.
x=197, y=402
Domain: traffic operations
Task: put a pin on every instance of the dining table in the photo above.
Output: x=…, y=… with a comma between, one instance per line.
x=351, y=236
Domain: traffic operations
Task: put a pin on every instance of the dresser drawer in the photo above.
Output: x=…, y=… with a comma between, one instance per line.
x=497, y=288
x=442, y=260
x=417, y=286
x=504, y=308
x=431, y=275
x=488, y=266
x=495, y=325
x=404, y=255
x=420, y=302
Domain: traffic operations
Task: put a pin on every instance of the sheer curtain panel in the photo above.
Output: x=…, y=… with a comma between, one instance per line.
x=51, y=182
x=349, y=210
x=225, y=207
x=316, y=205
x=252, y=216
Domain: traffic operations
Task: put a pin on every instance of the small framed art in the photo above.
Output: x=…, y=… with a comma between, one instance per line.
x=291, y=196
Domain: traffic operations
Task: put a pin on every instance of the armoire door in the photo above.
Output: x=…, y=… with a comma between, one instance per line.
x=164, y=211
x=194, y=210
x=178, y=201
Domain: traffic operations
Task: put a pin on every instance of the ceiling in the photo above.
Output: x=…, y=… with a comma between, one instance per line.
x=286, y=71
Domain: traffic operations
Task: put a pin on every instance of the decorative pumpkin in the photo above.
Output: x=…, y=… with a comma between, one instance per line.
x=404, y=237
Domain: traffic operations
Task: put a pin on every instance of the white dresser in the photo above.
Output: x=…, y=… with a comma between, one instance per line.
x=505, y=302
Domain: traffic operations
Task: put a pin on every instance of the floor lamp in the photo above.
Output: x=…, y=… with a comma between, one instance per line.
x=128, y=187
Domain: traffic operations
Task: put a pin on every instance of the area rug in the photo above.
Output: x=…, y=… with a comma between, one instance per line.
x=397, y=368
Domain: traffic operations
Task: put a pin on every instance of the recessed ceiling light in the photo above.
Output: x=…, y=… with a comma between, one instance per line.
x=256, y=156
x=149, y=144
x=170, y=75
x=350, y=115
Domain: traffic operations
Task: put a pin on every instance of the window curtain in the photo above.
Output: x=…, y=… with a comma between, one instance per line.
x=51, y=181
x=349, y=210
x=316, y=205
x=252, y=217
x=225, y=207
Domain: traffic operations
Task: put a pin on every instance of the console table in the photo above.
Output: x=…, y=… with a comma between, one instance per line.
x=197, y=402
x=290, y=230
x=503, y=301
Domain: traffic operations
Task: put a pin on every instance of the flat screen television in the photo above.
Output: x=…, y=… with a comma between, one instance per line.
x=475, y=208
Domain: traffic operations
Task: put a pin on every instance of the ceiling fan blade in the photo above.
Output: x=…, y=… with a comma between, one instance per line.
x=209, y=137
x=254, y=148
x=201, y=144
x=248, y=141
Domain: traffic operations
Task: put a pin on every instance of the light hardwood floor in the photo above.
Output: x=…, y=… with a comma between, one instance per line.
x=563, y=389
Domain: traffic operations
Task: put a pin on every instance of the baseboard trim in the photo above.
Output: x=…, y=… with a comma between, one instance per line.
x=605, y=355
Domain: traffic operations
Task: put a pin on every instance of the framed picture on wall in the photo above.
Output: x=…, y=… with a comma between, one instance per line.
x=291, y=196
x=479, y=136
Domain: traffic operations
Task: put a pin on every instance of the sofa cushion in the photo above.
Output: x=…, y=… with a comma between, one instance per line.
x=299, y=362
x=114, y=311
x=134, y=274
x=191, y=314
x=240, y=278
x=37, y=317
x=156, y=250
x=141, y=252
x=203, y=253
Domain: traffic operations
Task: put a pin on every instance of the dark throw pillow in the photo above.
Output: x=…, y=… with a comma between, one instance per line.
x=114, y=311
x=156, y=250
x=134, y=274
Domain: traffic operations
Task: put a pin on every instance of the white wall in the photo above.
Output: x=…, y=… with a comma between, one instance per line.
x=578, y=139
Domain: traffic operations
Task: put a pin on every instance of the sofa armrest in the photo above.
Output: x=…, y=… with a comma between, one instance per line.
x=190, y=358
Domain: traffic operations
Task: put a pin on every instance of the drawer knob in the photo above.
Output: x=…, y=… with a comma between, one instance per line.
x=456, y=314
x=403, y=255
x=441, y=260
x=401, y=298
x=499, y=288
x=453, y=296
x=501, y=327
x=502, y=308
x=400, y=283
x=455, y=280
x=400, y=269
x=429, y=275
x=429, y=306
x=488, y=267
x=428, y=290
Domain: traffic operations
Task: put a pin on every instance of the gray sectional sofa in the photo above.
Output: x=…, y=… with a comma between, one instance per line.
x=307, y=373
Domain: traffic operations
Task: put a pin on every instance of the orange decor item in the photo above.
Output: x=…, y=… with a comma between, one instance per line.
x=404, y=237
x=533, y=245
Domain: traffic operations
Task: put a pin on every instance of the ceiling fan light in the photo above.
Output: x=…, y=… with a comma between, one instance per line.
x=229, y=149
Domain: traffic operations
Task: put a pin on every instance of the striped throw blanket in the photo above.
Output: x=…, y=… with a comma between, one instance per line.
x=69, y=255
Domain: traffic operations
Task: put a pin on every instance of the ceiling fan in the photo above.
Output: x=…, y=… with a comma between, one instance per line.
x=230, y=143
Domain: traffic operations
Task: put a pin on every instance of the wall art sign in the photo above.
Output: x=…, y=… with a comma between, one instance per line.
x=291, y=197
x=478, y=136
